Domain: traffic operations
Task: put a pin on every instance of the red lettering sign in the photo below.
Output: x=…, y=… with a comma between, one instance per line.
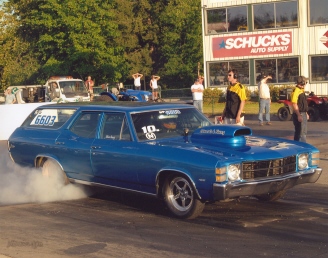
x=252, y=45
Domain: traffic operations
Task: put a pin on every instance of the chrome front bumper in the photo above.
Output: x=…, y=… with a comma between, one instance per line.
x=268, y=185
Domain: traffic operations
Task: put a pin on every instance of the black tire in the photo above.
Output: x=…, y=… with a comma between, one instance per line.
x=284, y=114
x=271, y=197
x=51, y=168
x=314, y=114
x=181, y=199
x=105, y=98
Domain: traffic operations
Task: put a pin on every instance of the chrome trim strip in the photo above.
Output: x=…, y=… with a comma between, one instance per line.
x=273, y=179
x=72, y=180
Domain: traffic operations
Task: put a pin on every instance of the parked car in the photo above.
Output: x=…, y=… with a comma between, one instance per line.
x=170, y=151
x=318, y=106
x=124, y=95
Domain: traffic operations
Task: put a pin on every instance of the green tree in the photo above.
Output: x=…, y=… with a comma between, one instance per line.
x=181, y=42
x=17, y=62
x=109, y=40
x=71, y=38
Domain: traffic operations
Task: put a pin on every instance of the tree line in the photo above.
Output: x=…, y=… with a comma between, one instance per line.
x=107, y=39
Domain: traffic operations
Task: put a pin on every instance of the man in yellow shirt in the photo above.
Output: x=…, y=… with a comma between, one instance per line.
x=235, y=100
x=300, y=108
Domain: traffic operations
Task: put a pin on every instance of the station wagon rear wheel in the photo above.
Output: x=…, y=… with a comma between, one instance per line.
x=51, y=168
x=181, y=199
x=270, y=197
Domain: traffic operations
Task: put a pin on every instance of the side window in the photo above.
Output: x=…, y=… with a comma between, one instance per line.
x=115, y=127
x=86, y=125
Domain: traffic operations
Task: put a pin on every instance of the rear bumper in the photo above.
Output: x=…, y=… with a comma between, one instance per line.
x=251, y=188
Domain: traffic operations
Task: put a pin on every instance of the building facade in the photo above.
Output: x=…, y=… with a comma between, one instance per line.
x=283, y=38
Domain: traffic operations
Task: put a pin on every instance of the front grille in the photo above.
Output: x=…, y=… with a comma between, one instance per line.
x=268, y=168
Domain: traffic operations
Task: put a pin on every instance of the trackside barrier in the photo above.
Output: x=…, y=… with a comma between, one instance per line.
x=13, y=115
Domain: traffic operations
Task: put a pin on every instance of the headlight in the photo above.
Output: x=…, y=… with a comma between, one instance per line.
x=234, y=172
x=303, y=161
x=231, y=172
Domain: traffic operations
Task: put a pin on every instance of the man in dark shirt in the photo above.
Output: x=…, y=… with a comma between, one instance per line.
x=300, y=108
x=235, y=100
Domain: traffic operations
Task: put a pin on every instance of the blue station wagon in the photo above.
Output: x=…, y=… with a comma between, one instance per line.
x=171, y=151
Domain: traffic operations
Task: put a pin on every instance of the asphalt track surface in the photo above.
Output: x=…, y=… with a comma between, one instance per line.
x=112, y=223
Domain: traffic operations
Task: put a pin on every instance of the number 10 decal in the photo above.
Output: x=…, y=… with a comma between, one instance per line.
x=149, y=132
x=149, y=129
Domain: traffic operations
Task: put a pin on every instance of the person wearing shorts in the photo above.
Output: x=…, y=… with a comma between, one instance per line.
x=154, y=86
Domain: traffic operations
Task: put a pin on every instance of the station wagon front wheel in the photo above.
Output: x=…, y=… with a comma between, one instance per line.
x=181, y=198
x=52, y=169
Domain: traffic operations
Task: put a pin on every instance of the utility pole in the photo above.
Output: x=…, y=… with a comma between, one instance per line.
x=198, y=68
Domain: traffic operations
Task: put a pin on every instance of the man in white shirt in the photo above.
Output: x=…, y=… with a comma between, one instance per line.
x=197, y=95
x=137, y=82
x=265, y=99
x=10, y=96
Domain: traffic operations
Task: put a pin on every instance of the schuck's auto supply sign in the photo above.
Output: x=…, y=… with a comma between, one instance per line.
x=252, y=45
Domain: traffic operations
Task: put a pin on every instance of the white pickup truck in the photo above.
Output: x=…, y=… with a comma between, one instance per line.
x=57, y=89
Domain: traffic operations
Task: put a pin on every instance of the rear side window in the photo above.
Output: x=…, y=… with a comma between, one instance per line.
x=86, y=125
x=51, y=118
x=115, y=127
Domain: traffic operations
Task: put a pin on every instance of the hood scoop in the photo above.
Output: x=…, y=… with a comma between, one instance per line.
x=223, y=135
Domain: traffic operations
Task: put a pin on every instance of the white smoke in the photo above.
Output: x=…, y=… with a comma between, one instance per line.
x=26, y=185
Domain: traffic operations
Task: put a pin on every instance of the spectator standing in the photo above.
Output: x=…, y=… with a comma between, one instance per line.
x=300, y=108
x=235, y=100
x=264, y=99
x=201, y=79
x=10, y=97
x=137, y=82
x=197, y=94
x=89, y=83
x=154, y=86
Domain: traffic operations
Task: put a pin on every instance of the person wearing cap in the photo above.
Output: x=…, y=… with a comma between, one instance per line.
x=10, y=95
x=197, y=94
x=300, y=108
x=264, y=99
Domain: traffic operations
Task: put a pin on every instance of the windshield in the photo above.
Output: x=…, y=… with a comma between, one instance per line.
x=76, y=87
x=168, y=123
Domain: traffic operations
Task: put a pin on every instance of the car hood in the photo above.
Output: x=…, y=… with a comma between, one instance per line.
x=229, y=141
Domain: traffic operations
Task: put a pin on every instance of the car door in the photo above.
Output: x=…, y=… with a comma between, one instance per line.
x=74, y=146
x=113, y=153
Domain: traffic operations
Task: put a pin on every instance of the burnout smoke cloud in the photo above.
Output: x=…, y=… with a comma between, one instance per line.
x=24, y=185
